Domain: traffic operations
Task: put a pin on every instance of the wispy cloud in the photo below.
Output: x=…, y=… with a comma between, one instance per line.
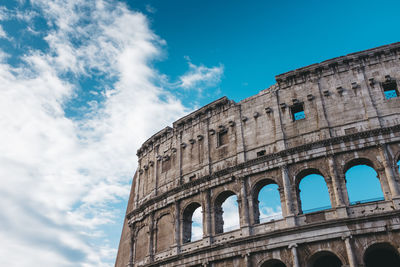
x=2, y=33
x=151, y=9
x=62, y=175
x=199, y=77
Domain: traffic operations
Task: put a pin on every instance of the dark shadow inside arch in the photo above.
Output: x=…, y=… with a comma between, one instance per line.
x=362, y=183
x=187, y=225
x=226, y=207
x=382, y=254
x=273, y=263
x=325, y=259
x=266, y=201
x=313, y=193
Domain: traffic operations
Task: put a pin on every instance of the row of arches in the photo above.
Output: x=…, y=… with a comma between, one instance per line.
x=377, y=255
x=362, y=184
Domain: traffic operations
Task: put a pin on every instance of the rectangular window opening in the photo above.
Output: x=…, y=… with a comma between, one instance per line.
x=297, y=112
x=390, y=89
x=166, y=165
x=260, y=153
x=222, y=138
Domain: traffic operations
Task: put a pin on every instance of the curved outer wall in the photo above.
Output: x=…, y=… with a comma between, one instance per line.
x=227, y=146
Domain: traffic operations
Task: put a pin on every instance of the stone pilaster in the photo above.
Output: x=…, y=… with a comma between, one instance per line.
x=290, y=219
x=394, y=189
x=241, y=146
x=349, y=251
x=207, y=217
x=293, y=248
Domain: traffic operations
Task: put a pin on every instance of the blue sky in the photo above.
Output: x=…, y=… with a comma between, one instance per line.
x=84, y=83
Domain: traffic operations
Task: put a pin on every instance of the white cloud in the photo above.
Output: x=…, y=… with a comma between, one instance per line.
x=3, y=34
x=231, y=214
x=199, y=77
x=61, y=176
x=270, y=213
x=151, y=9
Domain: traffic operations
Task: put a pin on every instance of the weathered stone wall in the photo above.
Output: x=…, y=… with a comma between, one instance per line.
x=227, y=148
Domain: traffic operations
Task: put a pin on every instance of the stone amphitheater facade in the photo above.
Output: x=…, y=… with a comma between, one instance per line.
x=227, y=148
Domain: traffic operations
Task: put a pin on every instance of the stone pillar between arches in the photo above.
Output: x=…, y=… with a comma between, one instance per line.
x=390, y=177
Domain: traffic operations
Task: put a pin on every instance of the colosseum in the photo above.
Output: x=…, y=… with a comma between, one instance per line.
x=323, y=119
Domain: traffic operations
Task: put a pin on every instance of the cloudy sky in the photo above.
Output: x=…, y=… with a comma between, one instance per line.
x=83, y=83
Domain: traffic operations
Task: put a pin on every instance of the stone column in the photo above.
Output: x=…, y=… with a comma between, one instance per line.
x=280, y=133
x=384, y=182
x=290, y=220
x=241, y=146
x=252, y=210
x=371, y=109
x=394, y=189
x=245, y=221
x=137, y=185
x=156, y=169
x=293, y=248
x=247, y=259
x=179, y=156
x=323, y=118
x=349, y=251
x=177, y=227
x=336, y=183
x=283, y=201
x=207, y=218
x=208, y=144
x=340, y=204
x=153, y=236
x=132, y=247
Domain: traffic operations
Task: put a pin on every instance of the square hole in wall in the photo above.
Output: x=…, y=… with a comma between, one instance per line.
x=297, y=112
x=222, y=138
x=166, y=165
x=260, y=153
x=390, y=89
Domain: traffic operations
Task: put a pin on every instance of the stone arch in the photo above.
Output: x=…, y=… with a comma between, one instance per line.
x=381, y=254
x=187, y=220
x=218, y=211
x=164, y=235
x=141, y=242
x=260, y=178
x=255, y=191
x=273, y=263
x=325, y=258
x=362, y=161
x=372, y=165
x=304, y=174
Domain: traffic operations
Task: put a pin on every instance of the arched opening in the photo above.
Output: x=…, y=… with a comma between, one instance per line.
x=382, y=254
x=273, y=263
x=325, y=259
x=192, y=223
x=266, y=201
x=142, y=243
x=362, y=183
x=226, y=212
x=313, y=191
x=164, y=234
